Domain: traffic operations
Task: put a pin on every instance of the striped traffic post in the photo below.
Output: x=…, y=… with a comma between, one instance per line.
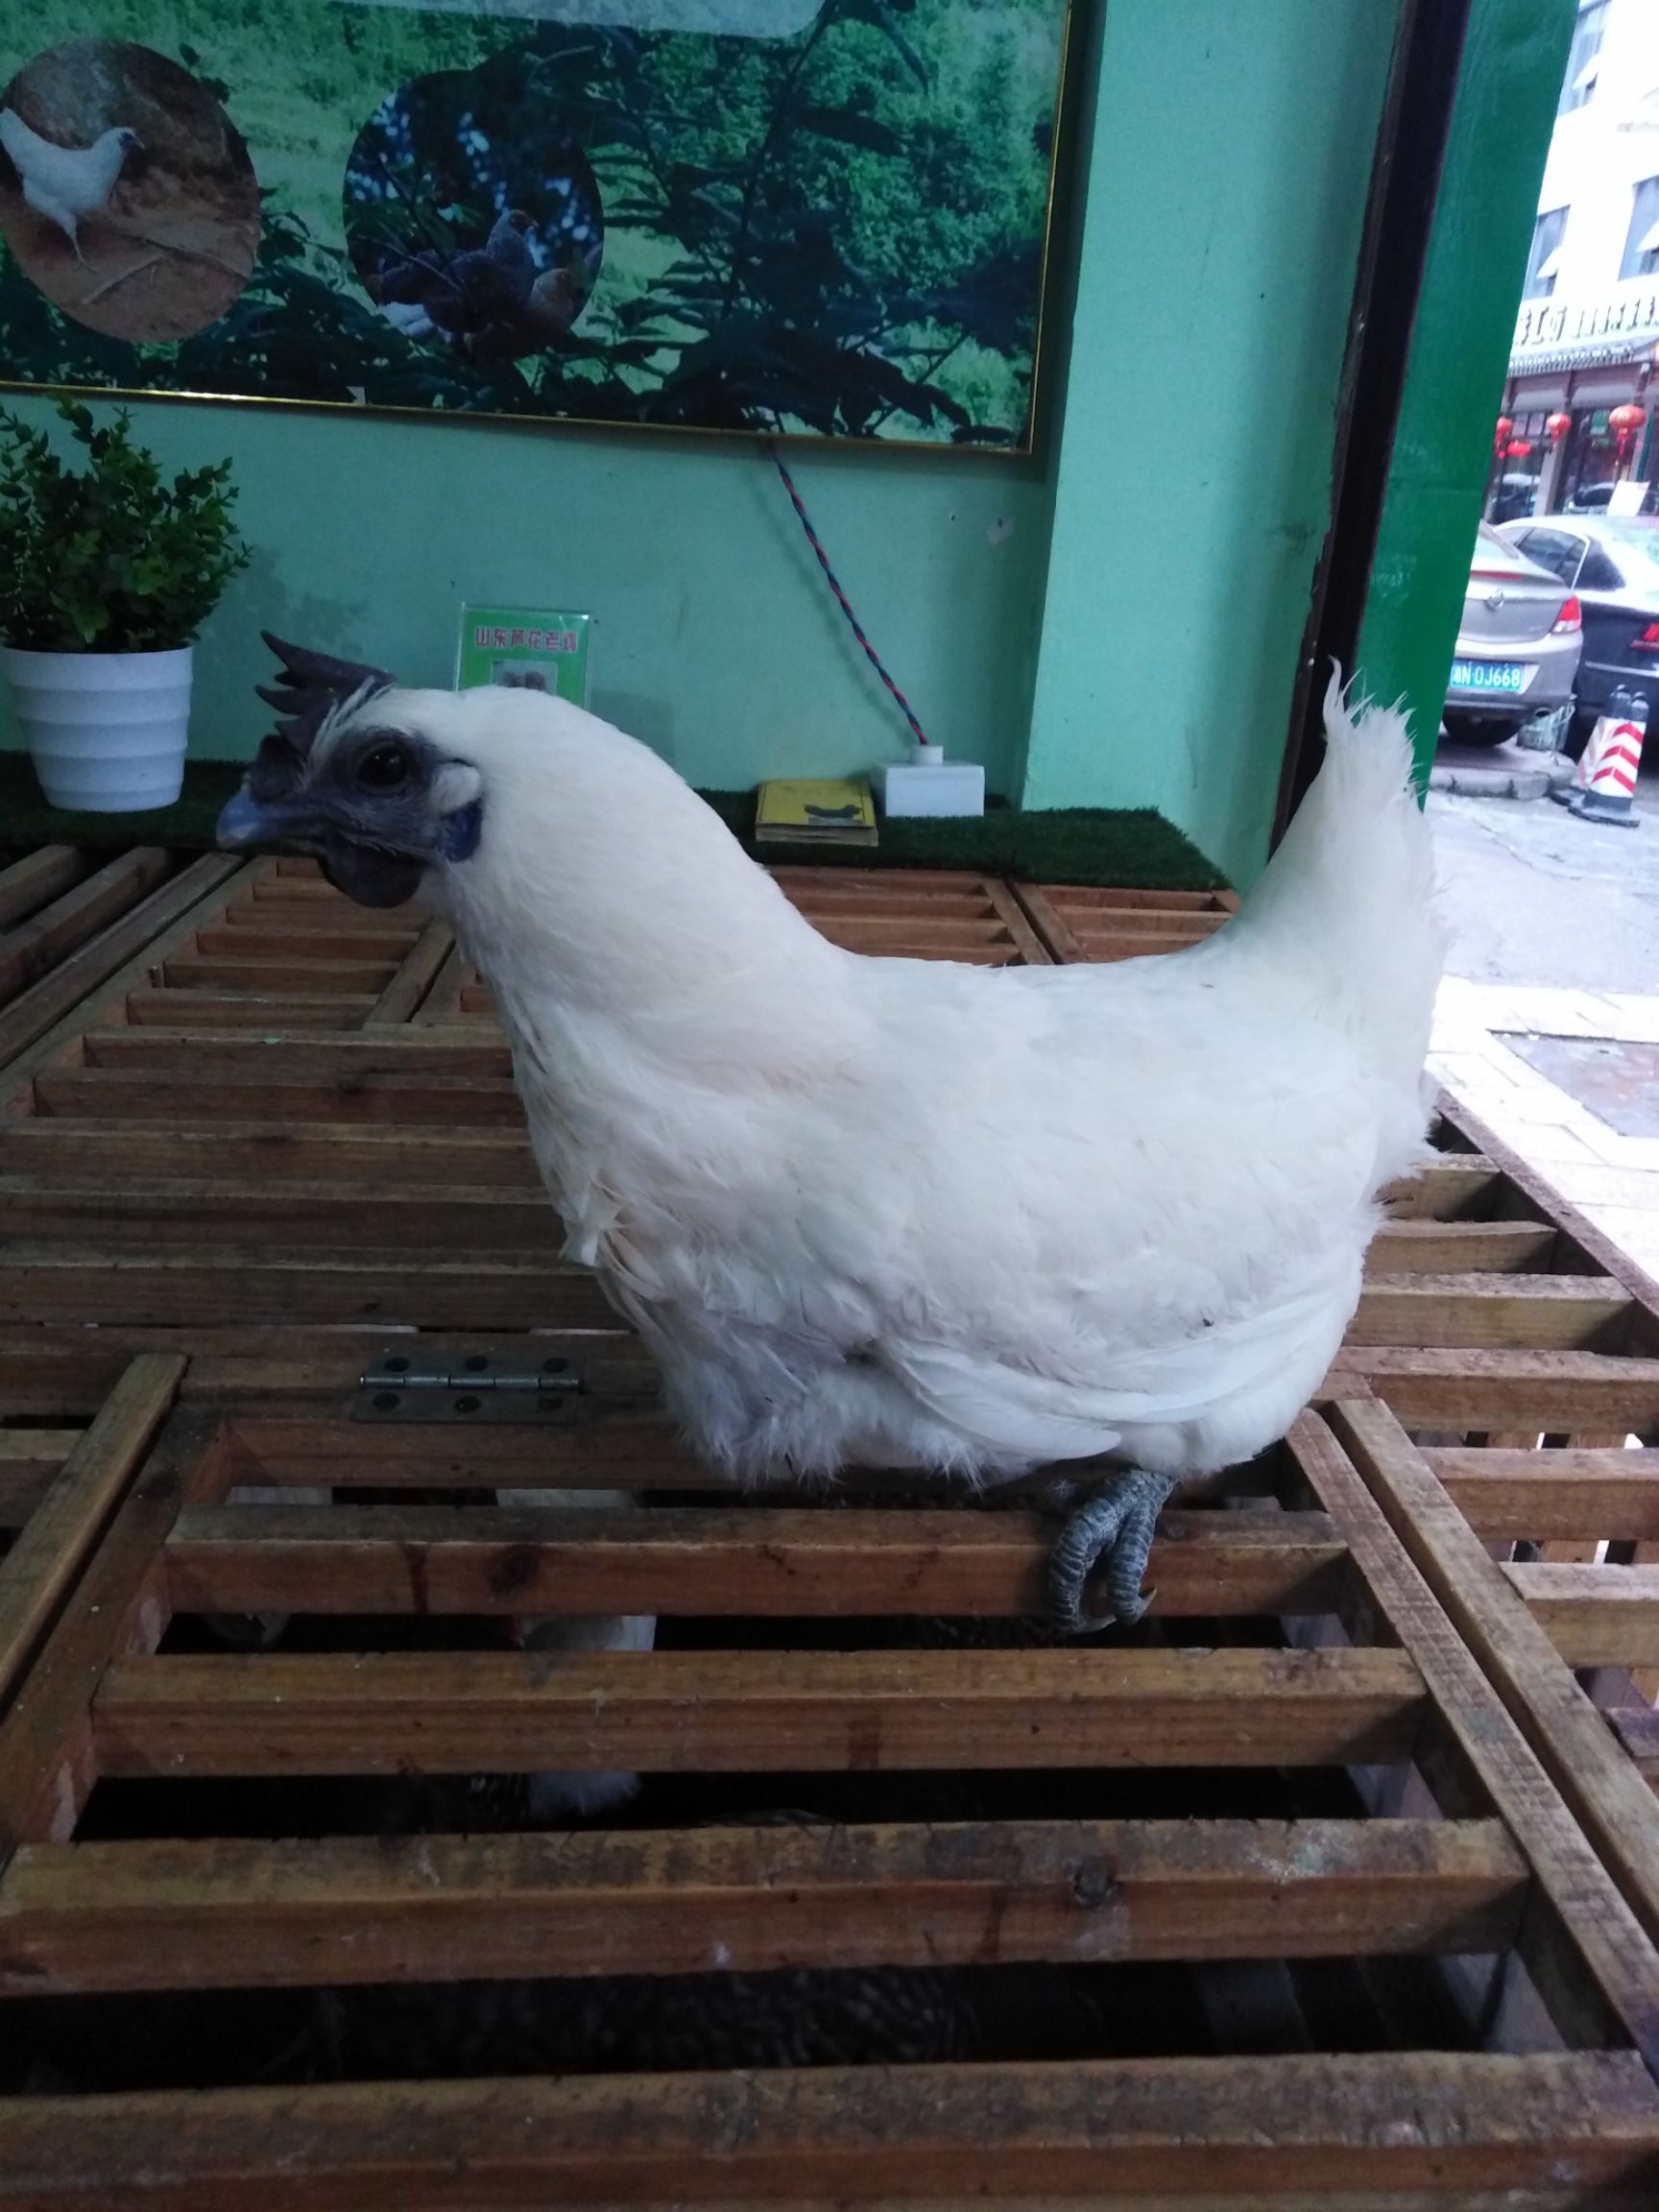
x=1605, y=785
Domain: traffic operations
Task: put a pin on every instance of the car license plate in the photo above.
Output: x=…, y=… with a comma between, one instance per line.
x=1487, y=674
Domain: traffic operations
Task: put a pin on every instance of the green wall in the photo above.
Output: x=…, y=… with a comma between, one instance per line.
x=1131, y=600
x=715, y=637
x=1232, y=160
x=1513, y=59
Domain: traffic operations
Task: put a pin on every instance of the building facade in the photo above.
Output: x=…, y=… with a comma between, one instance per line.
x=1586, y=344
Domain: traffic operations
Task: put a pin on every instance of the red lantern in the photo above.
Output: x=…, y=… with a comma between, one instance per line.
x=1517, y=448
x=1626, y=421
x=1557, y=427
x=1502, y=431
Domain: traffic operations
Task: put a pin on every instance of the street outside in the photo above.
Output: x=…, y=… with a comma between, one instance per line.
x=1534, y=895
x=1554, y=933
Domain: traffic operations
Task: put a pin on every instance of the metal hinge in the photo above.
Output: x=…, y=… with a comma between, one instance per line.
x=432, y=1384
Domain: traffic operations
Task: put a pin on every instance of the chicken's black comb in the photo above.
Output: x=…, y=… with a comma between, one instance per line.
x=312, y=686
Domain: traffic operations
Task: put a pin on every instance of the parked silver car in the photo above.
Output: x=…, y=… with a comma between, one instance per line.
x=1518, y=645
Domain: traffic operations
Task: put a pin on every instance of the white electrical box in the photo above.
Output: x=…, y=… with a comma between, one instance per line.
x=930, y=785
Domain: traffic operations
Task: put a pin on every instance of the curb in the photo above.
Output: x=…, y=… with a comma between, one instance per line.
x=1492, y=782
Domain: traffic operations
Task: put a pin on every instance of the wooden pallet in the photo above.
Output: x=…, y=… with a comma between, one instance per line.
x=60, y=1486
x=1298, y=1916
x=1080, y=923
x=68, y=923
x=54, y=899
x=1530, y=1498
x=1301, y=1648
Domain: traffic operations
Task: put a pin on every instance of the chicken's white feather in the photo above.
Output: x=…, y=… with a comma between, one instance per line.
x=912, y=1213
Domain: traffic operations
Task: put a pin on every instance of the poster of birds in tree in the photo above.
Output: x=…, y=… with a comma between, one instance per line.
x=795, y=217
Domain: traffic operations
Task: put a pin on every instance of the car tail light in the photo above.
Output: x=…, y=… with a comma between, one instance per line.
x=1572, y=617
x=1646, y=641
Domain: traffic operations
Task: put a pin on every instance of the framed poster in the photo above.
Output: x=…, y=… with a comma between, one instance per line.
x=528, y=648
x=791, y=217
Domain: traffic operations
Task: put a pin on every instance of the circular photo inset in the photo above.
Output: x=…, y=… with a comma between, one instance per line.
x=125, y=192
x=472, y=218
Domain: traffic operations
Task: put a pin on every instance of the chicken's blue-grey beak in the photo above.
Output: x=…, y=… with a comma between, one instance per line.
x=245, y=823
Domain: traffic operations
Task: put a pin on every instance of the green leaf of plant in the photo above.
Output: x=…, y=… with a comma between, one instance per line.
x=110, y=559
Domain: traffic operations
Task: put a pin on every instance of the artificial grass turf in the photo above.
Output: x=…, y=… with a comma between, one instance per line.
x=1067, y=844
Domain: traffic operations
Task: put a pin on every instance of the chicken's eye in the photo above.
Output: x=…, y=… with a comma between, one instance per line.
x=383, y=769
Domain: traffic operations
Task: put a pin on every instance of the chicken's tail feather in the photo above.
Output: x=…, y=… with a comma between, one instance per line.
x=1348, y=902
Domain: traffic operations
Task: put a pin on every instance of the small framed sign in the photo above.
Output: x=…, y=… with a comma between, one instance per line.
x=530, y=648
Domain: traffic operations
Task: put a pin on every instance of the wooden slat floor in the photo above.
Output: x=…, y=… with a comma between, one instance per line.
x=1286, y=1898
x=1528, y=1493
x=68, y=923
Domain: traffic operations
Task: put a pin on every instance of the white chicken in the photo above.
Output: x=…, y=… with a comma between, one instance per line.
x=66, y=182
x=900, y=1212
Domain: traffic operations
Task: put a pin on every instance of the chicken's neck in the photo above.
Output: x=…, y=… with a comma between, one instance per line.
x=655, y=1017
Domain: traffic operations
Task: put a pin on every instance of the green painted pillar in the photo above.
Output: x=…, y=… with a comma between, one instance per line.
x=1227, y=176
x=1507, y=90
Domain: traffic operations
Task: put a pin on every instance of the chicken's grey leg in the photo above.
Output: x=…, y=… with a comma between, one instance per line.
x=1114, y=1522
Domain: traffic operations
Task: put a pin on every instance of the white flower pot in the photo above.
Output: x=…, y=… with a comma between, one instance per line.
x=105, y=731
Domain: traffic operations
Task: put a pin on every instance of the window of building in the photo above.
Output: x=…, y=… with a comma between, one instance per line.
x=1579, y=86
x=1641, y=242
x=1544, y=262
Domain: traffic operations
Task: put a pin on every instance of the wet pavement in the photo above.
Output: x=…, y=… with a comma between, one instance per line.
x=1548, y=1024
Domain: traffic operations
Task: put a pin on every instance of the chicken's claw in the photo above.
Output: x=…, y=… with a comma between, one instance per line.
x=1114, y=1522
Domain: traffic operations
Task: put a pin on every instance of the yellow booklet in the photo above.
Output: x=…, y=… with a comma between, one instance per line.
x=816, y=813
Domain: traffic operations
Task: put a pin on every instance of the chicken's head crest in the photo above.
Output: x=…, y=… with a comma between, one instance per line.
x=311, y=689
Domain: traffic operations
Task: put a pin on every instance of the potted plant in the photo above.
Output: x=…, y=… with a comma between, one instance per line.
x=105, y=575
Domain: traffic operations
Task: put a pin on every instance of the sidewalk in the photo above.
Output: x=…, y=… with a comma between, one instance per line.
x=1534, y=897
x=1613, y=1178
